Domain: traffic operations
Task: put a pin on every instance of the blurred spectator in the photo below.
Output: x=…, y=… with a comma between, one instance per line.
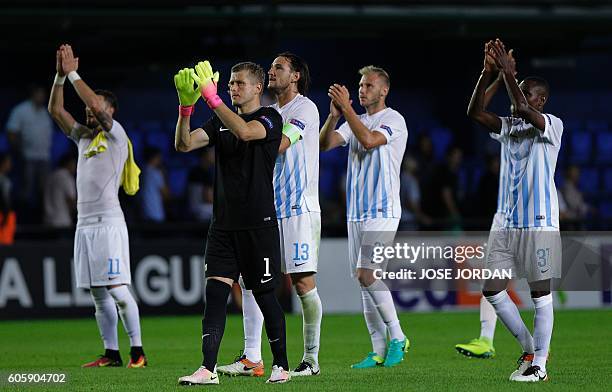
x=8, y=218
x=154, y=190
x=577, y=208
x=425, y=160
x=441, y=201
x=60, y=196
x=562, y=209
x=410, y=196
x=30, y=131
x=200, y=186
x=486, y=195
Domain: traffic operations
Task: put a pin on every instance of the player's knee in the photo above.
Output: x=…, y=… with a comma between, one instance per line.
x=303, y=283
x=365, y=277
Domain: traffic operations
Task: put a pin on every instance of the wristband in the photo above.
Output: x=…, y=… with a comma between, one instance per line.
x=214, y=102
x=73, y=76
x=186, y=111
x=59, y=80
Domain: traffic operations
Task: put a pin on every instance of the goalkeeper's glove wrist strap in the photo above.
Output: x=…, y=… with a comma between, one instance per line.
x=214, y=102
x=186, y=111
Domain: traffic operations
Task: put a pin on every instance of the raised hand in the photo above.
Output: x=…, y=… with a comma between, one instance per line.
x=489, y=62
x=188, y=93
x=501, y=57
x=340, y=97
x=512, y=62
x=207, y=82
x=334, y=110
x=58, y=63
x=69, y=62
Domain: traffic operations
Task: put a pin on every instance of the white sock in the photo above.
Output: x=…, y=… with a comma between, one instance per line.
x=252, y=321
x=128, y=310
x=509, y=315
x=376, y=325
x=542, y=329
x=488, y=319
x=106, y=317
x=381, y=296
x=312, y=312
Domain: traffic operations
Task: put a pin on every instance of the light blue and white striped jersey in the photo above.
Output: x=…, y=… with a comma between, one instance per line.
x=527, y=192
x=373, y=176
x=503, y=164
x=296, y=172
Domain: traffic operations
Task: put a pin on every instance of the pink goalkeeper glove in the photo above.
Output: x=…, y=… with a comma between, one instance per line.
x=207, y=81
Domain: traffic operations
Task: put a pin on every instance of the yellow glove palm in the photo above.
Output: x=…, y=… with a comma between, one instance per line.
x=188, y=93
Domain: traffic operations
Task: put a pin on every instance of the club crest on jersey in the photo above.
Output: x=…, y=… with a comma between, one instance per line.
x=387, y=128
x=267, y=121
x=297, y=123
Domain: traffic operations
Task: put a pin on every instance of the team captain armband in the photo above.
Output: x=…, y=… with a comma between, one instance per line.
x=290, y=130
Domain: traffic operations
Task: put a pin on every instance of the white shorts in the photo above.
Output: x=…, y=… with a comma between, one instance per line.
x=363, y=236
x=300, y=237
x=533, y=253
x=101, y=252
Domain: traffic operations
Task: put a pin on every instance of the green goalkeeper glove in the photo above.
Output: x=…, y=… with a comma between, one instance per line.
x=188, y=93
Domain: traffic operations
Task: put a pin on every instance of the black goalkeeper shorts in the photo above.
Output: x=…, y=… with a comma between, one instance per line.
x=254, y=254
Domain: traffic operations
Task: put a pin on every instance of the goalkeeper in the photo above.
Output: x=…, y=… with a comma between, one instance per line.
x=243, y=238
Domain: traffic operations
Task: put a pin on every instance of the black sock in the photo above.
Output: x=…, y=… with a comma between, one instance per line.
x=274, y=319
x=136, y=352
x=213, y=323
x=112, y=354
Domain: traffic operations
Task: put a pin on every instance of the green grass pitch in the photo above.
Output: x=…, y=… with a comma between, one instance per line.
x=581, y=356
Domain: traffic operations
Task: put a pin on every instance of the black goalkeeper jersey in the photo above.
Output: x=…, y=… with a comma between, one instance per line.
x=243, y=191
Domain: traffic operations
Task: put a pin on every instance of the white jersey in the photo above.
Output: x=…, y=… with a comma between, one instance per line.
x=373, y=176
x=296, y=172
x=99, y=176
x=528, y=195
x=501, y=190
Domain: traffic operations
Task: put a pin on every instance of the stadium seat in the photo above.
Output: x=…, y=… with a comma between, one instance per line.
x=151, y=127
x=605, y=210
x=596, y=125
x=137, y=145
x=589, y=180
x=581, y=146
x=604, y=147
x=441, y=138
x=4, y=143
x=60, y=144
x=159, y=140
x=177, y=181
x=607, y=180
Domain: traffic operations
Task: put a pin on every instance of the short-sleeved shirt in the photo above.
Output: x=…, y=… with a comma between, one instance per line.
x=373, y=176
x=60, y=187
x=35, y=128
x=243, y=191
x=151, y=194
x=296, y=175
x=528, y=195
x=99, y=176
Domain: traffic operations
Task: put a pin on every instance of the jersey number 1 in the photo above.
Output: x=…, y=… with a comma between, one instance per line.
x=267, y=260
